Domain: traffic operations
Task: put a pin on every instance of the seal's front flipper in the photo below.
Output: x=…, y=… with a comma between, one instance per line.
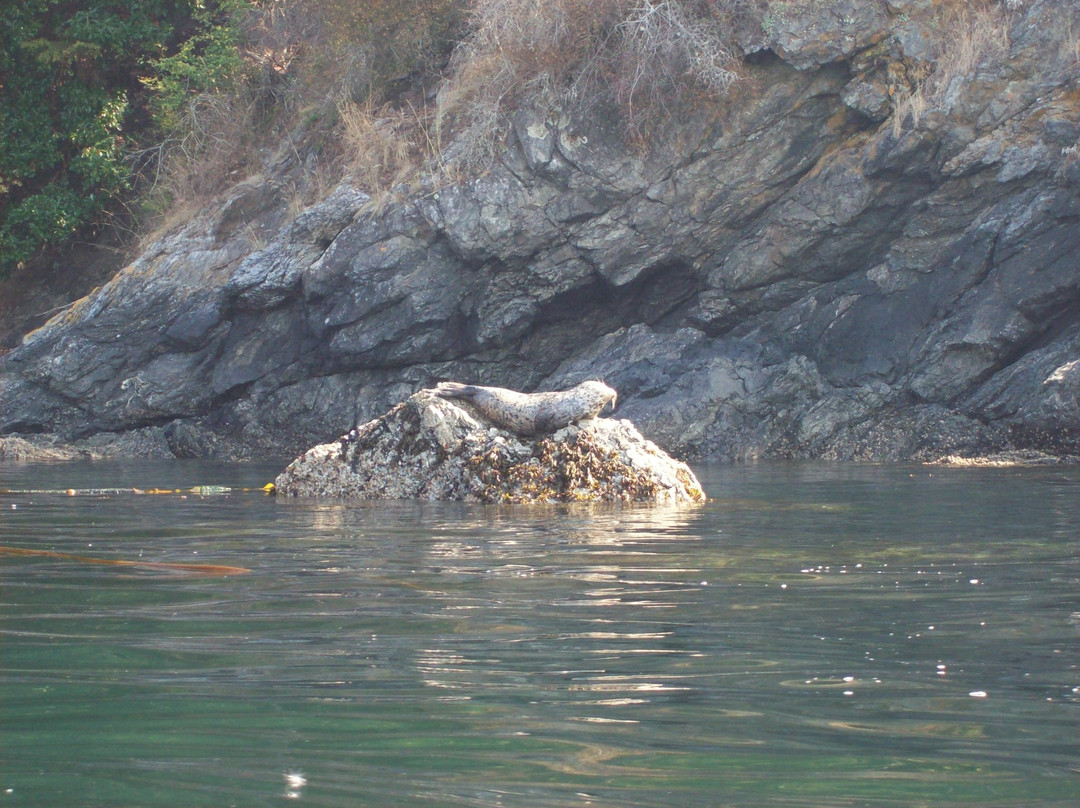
x=455, y=390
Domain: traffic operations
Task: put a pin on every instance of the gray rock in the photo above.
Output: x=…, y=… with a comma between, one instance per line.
x=808, y=35
x=915, y=40
x=868, y=96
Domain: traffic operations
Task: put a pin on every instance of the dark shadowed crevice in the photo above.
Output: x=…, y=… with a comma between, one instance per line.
x=659, y=297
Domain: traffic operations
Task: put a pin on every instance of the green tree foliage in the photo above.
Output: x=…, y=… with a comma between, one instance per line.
x=208, y=60
x=81, y=81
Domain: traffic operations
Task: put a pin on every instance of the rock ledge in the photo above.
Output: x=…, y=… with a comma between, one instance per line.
x=432, y=448
x=1018, y=458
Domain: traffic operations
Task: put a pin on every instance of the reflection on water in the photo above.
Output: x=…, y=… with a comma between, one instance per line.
x=815, y=636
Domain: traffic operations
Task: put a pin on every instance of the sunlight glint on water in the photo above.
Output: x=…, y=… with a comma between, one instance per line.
x=816, y=636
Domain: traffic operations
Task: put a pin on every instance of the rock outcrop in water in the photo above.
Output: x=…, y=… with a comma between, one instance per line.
x=429, y=447
x=20, y=450
x=824, y=268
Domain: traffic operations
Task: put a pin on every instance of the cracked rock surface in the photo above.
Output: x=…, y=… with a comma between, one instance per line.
x=808, y=271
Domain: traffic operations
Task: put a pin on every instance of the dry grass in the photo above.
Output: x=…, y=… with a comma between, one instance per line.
x=212, y=149
x=909, y=105
x=313, y=185
x=1069, y=42
x=518, y=49
x=973, y=35
x=380, y=144
x=648, y=58
x=645, y=55
x=976, y=33
x=300, y=55
x=659, y=44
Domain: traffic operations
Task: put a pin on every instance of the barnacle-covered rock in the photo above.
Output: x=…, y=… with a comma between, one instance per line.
x=429, y=447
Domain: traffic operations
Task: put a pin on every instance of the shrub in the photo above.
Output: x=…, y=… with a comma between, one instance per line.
x=305, y=65
x=659, y=44
x=206, y=62
x=72, y=107
x=349, y=49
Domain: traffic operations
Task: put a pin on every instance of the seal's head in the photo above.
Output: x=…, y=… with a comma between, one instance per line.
x=600, y=394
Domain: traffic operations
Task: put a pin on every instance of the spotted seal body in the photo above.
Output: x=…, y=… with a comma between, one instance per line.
x=532, y=413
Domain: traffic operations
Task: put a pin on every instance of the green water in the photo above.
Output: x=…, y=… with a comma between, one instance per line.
x=815, y=636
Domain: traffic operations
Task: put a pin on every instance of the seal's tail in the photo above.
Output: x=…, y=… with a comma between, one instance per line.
x=455, y=390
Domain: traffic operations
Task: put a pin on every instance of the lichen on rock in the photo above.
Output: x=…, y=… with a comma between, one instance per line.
x=429, y=447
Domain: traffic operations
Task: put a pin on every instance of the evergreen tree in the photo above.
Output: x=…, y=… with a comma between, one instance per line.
x=82, y=82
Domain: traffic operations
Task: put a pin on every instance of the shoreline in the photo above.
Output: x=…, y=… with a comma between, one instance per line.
x=151, y=443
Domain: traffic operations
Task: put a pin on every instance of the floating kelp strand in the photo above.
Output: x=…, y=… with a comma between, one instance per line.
x=198, y=490
x=202, y=569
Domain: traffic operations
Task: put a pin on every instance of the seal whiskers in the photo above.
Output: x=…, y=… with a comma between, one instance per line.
x=532, y=413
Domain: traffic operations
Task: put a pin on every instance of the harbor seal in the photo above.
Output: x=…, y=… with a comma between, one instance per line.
x=532, y=413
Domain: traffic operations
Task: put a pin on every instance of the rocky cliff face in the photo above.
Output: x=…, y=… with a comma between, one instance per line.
x=821, y=268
